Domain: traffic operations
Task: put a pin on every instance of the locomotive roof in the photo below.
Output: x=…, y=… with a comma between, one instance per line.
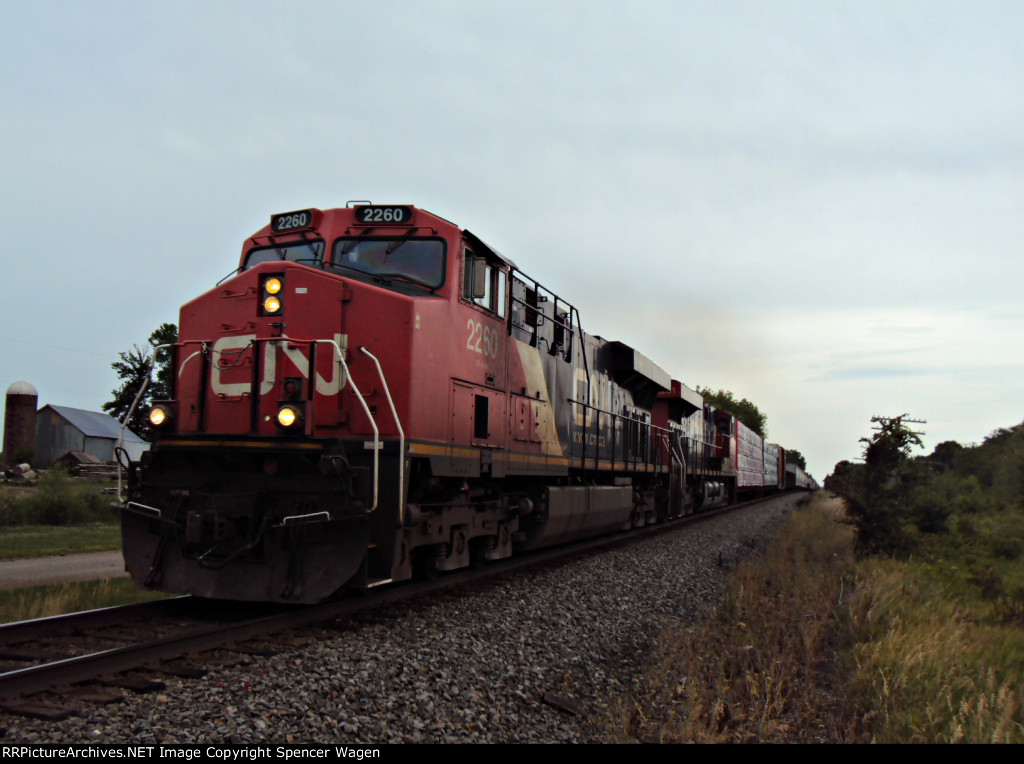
x=479, y=243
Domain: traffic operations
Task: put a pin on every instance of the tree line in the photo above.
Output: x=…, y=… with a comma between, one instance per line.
x=894, y=499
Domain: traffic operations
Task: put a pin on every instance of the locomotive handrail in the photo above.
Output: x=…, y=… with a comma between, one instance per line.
x=401, y=438
x=645, y=451
x=156, y=512
x=676, y=450
x=235, y=272
x=586, y=363
x=583, y=347
x=120, y=437
x=202, y=351
x=306, y=517
x=597, y=429
x=542, y=317
x=558, y=318
x=369, y=416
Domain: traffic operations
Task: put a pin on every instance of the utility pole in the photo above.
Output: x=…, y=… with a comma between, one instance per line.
x=888, y=422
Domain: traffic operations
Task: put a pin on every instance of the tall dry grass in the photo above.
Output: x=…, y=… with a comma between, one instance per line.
x=932, y=666
x=763, y=668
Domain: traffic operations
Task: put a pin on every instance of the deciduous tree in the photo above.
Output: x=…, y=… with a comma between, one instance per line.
x=133, y=368
x=744, y=410
x=795, y=457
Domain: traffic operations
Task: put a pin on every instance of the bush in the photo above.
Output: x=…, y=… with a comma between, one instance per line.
x=25, y=455
x=937, y=497
x=1009, y=610
x=58, y=499
x=989, y=581
x=895, y=501
x=1007, y=548
x=1008, y=475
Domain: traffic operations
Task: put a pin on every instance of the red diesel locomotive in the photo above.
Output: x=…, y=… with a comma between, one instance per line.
x=377, y=391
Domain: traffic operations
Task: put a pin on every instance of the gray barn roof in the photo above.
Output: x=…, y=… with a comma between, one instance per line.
x=93, y=424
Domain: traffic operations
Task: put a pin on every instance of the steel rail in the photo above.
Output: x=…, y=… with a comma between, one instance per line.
x=24, y=631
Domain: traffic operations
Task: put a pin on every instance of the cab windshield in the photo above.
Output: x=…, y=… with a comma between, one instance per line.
x=306, y=252
x=420, y=261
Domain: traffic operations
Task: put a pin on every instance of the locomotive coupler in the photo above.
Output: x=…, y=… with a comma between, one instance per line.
x=244, y=549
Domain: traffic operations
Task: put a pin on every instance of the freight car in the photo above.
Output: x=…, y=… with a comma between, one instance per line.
x=797, y=479
x=377, y=392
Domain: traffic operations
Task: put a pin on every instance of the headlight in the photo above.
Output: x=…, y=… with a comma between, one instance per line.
x=287, y=416
x=159, y=416
x=271, y=295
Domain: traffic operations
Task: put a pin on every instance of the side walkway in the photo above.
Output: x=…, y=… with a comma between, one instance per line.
x=39, y=571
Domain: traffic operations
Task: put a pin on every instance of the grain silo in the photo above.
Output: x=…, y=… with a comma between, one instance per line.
x=20, y=423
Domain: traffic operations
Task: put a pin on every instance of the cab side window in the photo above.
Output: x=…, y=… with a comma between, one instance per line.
x=501, y=290
x=484, y=283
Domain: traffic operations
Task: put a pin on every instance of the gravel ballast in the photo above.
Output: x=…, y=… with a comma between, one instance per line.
x=541, y=656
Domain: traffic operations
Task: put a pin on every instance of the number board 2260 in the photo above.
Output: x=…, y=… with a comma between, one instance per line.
x=399, y=215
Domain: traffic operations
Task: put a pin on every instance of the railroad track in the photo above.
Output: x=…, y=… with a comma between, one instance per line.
x=86, y=657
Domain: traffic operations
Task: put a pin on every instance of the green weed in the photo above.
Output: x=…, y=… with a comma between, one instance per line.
x=43, y=601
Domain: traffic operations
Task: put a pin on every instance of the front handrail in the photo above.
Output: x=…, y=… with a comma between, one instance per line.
x=339, y=353
x=376, y=432
x=401, y=438
x=124, y=424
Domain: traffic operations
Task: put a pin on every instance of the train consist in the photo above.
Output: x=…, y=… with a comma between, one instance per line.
x=377, y=392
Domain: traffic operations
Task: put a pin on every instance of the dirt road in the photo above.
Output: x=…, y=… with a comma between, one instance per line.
x=37, y=571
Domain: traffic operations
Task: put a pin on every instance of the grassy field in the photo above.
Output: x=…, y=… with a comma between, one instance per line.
x=937, y=649
x=20, y=541
x=60, y=515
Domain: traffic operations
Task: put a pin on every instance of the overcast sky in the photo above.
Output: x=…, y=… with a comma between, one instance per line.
x=816, y=205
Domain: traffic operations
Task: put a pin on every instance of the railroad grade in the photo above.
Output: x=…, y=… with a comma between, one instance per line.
x=427, y=622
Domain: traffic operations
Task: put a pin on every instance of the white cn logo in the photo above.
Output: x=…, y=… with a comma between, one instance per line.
x=234, y=347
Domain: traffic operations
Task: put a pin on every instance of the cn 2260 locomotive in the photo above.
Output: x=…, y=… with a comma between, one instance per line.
x=377, y=392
